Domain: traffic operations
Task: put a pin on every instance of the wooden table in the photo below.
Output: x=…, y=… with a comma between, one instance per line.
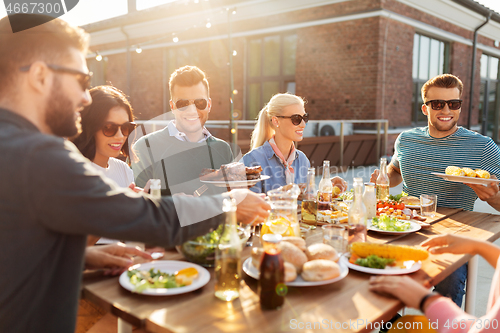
x=347, y=303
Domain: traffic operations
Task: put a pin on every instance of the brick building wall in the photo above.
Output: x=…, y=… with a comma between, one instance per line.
x=354, y=69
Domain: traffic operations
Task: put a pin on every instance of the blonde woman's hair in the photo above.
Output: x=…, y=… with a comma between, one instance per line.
x=264, y=130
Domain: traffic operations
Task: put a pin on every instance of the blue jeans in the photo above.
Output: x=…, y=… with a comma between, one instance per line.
x=453, y=286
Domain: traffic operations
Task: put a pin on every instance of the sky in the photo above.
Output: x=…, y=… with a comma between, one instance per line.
x=90, y=11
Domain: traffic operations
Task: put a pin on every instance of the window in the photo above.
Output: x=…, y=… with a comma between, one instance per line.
x=271, y=70
x=430, y=58
x=488, y=97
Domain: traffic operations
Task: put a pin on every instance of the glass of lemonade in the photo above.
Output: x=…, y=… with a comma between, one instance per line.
x=282, y=219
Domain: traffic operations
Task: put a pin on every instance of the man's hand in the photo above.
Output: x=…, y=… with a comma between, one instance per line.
x=485, y=193
x=251, y=207
x=374, y=176
x=393, y=173
x=134, y=188
x=117, y=257
x=340, y=183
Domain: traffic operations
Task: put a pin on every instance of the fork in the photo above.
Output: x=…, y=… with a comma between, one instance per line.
x=200, y=190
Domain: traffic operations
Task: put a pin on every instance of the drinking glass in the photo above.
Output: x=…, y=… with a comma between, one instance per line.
x=336, y=236
x=428, y=204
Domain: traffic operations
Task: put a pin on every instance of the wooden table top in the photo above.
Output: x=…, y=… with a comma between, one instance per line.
x=347, y=303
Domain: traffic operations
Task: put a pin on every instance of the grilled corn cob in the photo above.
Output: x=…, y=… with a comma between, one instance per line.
x=454, y=171
x=469, y=172
x=482, y=174
x=397, y=252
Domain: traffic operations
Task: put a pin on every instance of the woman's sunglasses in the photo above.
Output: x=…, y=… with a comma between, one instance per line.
x=110, y=129
x=297, y=118
x=438, y=104
x=200, y=103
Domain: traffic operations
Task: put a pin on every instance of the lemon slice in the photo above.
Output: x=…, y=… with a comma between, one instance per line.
x=279, y=226
x=186, y=276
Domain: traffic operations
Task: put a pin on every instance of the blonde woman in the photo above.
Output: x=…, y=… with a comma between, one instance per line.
x=280, y=123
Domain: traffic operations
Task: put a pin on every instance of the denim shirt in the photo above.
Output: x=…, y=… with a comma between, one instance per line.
x=272, y=167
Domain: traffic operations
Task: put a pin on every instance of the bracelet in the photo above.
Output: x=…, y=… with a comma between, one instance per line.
x=422, y=302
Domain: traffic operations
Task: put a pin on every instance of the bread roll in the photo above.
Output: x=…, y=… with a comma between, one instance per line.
x=257, y=254
x=320, y=270
x=321, y=251
x=290, y=272
x=293, y=255
x=297, y=241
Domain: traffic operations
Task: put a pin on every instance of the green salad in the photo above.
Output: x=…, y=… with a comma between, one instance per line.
x=398, y=197
x=346, y=196
x=387, y=223
x=201, y=250
x=151, y=279
x=373, y=261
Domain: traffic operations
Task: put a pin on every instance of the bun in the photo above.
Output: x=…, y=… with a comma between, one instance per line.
x=320, y=270
x=410, y=200
x=257, y=254
x=297, y=241
x=293, y=255
x=321, y=251
x=290, y=272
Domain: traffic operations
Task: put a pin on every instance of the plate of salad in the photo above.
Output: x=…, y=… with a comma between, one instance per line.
x=381, y=266
x=164, y=277
x=392, y=226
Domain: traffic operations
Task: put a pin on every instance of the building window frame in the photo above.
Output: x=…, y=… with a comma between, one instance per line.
x=417, y=117
x=489, y=64
x=258, y=82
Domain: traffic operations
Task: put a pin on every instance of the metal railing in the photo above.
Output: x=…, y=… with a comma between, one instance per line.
x=250, y=124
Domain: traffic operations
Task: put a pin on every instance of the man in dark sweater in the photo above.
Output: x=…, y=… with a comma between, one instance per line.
x=51, y=196
x=178, y=153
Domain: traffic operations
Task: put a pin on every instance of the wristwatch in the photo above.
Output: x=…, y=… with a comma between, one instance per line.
x=425, y=298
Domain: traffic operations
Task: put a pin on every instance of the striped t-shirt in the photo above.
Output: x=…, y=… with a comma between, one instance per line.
x=417, y=154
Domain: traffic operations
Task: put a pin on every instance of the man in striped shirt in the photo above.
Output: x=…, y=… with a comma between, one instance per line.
x=442, y=143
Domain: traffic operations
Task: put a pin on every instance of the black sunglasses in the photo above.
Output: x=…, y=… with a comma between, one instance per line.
x=83, y=78
x=200, y=103
x=438, y=104
x=110, y=129
x=297, y=118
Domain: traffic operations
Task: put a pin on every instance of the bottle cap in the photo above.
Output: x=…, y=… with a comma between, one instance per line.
x=155, y=184
x=272, y=238
x=228, y=205
x=369, y=184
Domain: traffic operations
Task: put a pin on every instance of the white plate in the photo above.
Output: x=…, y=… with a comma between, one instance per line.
x=414, y=227
x=413, y=267
x=464, y=179
x=412, y=206
x=237, y=183
x=170, y=267
x=252, y=271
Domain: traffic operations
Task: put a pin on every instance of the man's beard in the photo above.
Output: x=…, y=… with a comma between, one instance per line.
x=60, y=113
x=445, y=128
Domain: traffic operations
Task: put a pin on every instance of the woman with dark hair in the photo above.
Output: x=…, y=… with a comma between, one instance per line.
x=106, y=125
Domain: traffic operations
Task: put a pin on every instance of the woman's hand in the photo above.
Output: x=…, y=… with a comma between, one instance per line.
x=116, y=257
x=450, y=244
x=404, y=288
